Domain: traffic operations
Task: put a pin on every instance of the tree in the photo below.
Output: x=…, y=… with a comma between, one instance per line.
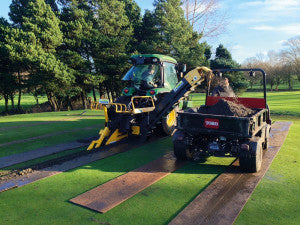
x=47, y=71
x=7, y=80
x=205, y=16
x=291, y=58
x=77, y=25
x=133, y=12
x=149, y=34
x=18, y=9
x=175, y=36
x=223, y=60
x=114, y=32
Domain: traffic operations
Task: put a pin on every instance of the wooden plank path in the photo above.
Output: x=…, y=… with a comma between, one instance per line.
x=107, y=196
x=223, y=200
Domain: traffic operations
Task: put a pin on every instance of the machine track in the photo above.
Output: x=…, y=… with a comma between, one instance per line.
x=23, y=176
x=223, y=200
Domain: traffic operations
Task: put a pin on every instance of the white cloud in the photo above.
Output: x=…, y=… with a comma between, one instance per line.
x=273, y=5
x=263, y=28
x=290, y=29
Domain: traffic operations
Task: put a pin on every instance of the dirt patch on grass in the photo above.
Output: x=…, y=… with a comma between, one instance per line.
x=228, y=108
x=7, y=175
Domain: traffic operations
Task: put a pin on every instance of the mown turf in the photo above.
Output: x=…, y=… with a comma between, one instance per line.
x=49, y=141
x=64, y=121
x=277, y=197
x=27, y=119
x=275, y=201
x=46, y=201
x=26, y=103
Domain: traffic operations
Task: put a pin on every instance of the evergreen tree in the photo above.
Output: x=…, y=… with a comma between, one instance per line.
x=77, y=25
x=7, y=80
x=175, y=35
x=133, y=12
x=223, y=60
x=114, y=32
x=18, y=9
x=149, y=34
x=47, y=72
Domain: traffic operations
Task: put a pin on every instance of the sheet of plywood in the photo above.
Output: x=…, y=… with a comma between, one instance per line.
x=108, y=195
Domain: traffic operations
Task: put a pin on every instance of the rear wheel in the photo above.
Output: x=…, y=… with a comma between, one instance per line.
x=250, y=161
x=181, y=148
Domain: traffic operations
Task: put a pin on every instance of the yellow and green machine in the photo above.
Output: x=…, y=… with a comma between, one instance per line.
x=157, y=90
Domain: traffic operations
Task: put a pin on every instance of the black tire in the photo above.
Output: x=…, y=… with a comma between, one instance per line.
x=181, y=151
x=250, y=161
x=180, y=146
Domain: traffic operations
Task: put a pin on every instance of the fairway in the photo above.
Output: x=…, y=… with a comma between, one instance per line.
x=47, y=201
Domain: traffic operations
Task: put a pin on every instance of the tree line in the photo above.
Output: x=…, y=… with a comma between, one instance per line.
x=282, y=67
x=65, y=49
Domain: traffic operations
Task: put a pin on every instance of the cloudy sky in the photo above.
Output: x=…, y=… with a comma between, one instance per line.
x=253, y=26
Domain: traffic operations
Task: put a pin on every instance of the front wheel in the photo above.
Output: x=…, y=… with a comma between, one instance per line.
x=169, y=122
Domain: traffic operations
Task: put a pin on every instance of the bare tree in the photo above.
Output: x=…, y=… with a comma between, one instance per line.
x=205, y=16
x=271, y=64
x=291, y=55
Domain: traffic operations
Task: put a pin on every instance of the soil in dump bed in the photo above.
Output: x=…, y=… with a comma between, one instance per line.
x=228, y=108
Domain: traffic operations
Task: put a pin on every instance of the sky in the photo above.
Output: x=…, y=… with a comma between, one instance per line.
x=253, y=27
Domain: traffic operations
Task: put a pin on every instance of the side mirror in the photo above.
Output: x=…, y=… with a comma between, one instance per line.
x=181, y=68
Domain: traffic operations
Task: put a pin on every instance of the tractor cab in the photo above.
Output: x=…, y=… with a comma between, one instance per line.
x=151, y=74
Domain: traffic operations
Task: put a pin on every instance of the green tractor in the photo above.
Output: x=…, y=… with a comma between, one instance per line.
x=153, y=75
x=146, y=104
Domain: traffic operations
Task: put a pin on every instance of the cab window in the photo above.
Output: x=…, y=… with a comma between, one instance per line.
x=170, y=75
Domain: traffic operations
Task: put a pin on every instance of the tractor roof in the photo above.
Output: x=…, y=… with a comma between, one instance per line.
x=160, y=57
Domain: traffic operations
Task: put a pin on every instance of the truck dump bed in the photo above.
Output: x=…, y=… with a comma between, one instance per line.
x=224, y=125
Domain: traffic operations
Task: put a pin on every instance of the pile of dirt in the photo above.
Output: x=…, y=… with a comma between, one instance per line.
x=228, y=108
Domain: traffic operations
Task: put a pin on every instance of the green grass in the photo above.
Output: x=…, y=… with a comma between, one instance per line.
x=45, y=129
x=27, y=102
x=296, y=86
x=50, y=141
x=46, y=201
x=90, y=118
x=276, y=199
x=17, y=120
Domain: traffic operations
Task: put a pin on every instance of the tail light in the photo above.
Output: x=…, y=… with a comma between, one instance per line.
x=126, y=91
x=152, y=92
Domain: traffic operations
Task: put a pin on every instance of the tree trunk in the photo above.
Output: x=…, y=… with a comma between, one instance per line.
x=12, y=101
x=290, y=84
x=52, y=102
x=69, y=102
x=6, y=102
x=36, y=96
x=108, y=93
x=83, y=98
x=94, y=94
x=20, y=91
x=101, y=92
